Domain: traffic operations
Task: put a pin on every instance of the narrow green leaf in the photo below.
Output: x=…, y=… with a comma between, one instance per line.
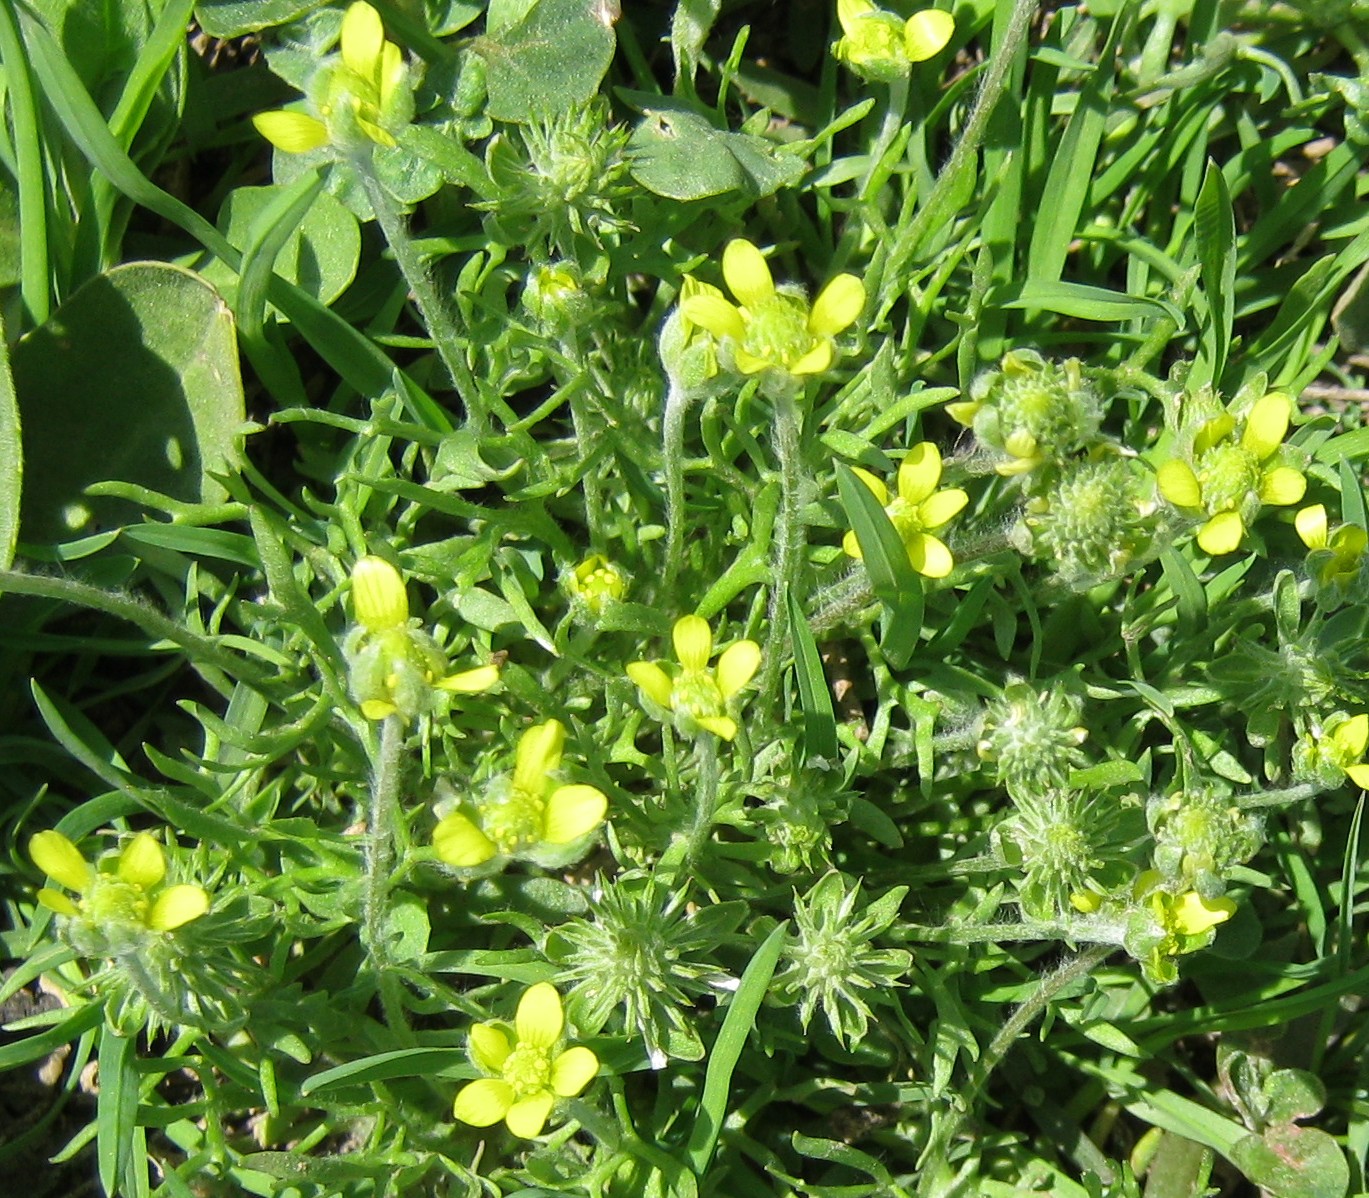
x=1214, y=227
x=1189, y=595
x=1084, y=302
x=404, y=1062
x=35, y=1048
x=727, y=1049
x=34, y=285
x=1352, y=505
x=815, y=698
x=116, y=1106
x=1072, y=168
x=11, y=458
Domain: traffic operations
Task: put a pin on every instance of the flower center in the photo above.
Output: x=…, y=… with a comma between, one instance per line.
x=112, y=901
x=1227, y=474
x=528, y=1069
x=515, y=820
x=777, y=330
x=696, y=694
x=905, y=517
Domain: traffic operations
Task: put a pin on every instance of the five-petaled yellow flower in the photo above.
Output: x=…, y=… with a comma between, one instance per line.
x=131, y=897
x=526, y=1073
x=696, y=695
x=1230, y=478
x=524, y=812
x=770, y=328
x=1186, y=922
x=361, y=98
x=1337, y=556
x=917, y=510
x=395, y=665
x=881, y=45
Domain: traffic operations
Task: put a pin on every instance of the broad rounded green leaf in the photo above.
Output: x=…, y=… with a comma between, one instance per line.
x=135, y=378
x=320, y=256
x=676, y=153
x=1294, y=1162
x=233, y=18
x=550, y=61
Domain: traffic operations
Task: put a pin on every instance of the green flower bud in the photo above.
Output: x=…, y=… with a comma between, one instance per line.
x=1034, y=739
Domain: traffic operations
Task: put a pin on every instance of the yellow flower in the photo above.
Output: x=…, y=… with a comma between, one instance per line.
x=696, y=695
x=394, y=665
x=132, y=898
x=363, y=93
x=528, y=812
x=771, y=329
x=879, y=45
x=917, y=509
x=1180, y=923
x=526, y=1073
x=1231, y=478
x=1337, y=556
x=595, y=584
x=1343, y=745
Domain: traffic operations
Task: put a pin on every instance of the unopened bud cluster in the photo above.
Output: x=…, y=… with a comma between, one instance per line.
x=1033, y=737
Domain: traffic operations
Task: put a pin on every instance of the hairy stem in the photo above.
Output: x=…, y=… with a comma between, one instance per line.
x=437, y=315
x=790, y=537
x=380, y=854
x=672, y=451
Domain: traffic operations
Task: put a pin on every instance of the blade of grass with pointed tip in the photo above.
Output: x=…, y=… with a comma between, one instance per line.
x=403, y=1062
x=1214, y=228
x=727, y=1050
x=819, y=720
x=892, y=577
x=11, y=458
x=116, y=1106
x=34, y=285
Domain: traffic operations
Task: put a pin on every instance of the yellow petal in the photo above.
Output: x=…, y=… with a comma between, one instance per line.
x=1266, y=425
x=377, y=709
x=929, y=557
x=177, y=905
x=539, y=1020
x=489, y=1048
x=851, y=546
x=963, y=411
x=363, y=36
x=483, y=1102
x=293, y=132
x=919, y=473
x=460, y=843
x=1359, y=775
x=141, y=862
x=379, y=135
x=1179, y=484
x=815, y=361
x=1214, y=430
x=849, y=12
x=1194, y=914
x=746, y=273
x=877, y=487
x=392, y=72
x=748, y=363
x=527, y=1117
x=1352, y=737
x=379, y=601
x=715, y=314
x=1222, y=534
x=926, y=34
x=55, y=900
x=539, y=752
x=837, y=307
x=1311, y=525
x=720, y=725
x=1282, y=485
x=938, y=509
x=573, y=812
x=652, y=681
x=469, y=682
x=737, y=666
x=61, y=860
x=693, y=643
x=572, y=1071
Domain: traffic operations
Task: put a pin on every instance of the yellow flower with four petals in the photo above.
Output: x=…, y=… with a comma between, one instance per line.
x=769, y=328
x=1231, y=477
x=917, y=510
x=694, y=694
x=526, y=1073
x=524, y=813
x=362, y=97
